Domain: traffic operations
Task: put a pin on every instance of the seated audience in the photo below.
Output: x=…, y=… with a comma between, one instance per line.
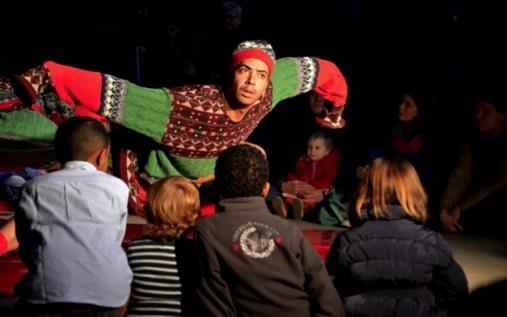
x=313, y=178
x=160, y=286
x=389, y=263
x=252, y=262
x=474, y=199
x=70, y=226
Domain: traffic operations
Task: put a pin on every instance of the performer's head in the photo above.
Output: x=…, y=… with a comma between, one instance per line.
x=253, y=63
x=241, y=171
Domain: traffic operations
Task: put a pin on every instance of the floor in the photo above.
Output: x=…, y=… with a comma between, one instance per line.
x=484, y=260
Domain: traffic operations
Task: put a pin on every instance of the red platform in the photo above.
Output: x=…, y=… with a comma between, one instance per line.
x=11, y=268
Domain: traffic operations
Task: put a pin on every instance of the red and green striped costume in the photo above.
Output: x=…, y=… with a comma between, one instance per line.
x=190, y=121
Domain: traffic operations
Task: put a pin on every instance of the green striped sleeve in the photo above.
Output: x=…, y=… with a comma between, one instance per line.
x=147, y=110
x=293, y=76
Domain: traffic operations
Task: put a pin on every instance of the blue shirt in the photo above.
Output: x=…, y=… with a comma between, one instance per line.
x=70, y=226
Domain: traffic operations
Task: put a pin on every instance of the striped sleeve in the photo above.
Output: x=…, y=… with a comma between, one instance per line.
x=156, y=287
x=98, y=95
x=144, y=110
x=297, y=75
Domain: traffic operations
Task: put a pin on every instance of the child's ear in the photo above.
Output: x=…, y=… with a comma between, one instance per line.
x=265, y=190
x=102, y=159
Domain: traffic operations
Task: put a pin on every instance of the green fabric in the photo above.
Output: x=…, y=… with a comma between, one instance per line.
x=160, y=165
x=147, y=110
x=333, y=211
x=285, y=79
x=26, y=125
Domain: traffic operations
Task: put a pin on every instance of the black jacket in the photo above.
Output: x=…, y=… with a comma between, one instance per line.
x=395, y=267
x=254, y=263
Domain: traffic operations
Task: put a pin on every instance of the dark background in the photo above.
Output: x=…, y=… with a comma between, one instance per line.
x=373, y=40
x=452, y=48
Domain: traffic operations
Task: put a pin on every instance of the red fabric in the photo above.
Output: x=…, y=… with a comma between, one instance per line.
x=12, y=269
x=331, y=84
x=10, y=274
x=207, y=210
x=134, y=231
x=321, y=240
x=6, y=206
x=321, y=174
x=9, y=104
x=400, y=146
x=4, y=245
x=254, y=53
x=77, y=87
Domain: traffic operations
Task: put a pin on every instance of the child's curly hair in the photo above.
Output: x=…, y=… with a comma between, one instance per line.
x=241, y=171
x=172, y=207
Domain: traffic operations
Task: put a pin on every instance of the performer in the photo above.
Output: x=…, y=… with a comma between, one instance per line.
x=192, y=124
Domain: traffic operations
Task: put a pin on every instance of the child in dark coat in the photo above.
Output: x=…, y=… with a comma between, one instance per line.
x=389, y=263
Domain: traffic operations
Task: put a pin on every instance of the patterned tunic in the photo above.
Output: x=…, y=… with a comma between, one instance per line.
x=189, y=122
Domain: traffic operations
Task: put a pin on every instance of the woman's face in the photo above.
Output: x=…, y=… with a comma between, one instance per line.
x=407, y=110
x=488, y=119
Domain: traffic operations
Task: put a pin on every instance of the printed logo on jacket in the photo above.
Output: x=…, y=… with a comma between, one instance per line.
x=256, y=240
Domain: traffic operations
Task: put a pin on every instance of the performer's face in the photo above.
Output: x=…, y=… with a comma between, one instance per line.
x=251, y=78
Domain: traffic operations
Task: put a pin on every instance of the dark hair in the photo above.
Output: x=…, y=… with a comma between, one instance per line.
x=494, y=98
x=422, y=98
x=328, y=142
x=78, y=138
x=241, y=171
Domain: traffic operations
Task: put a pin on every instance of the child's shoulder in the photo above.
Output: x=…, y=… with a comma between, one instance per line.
x=151, y=241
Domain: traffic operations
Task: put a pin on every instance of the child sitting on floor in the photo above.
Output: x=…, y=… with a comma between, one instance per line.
x=312, y=179
x=70, y=224
x=157, y=258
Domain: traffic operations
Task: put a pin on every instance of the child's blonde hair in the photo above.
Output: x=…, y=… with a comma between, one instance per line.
x=391, y=181
x=172, y=207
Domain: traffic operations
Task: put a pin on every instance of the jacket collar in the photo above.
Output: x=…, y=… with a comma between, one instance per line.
x=395, y=213
x=246, y=204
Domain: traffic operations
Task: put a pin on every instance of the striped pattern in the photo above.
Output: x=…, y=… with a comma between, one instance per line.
x=156, y=287
x=308, y=69
x=114, y=91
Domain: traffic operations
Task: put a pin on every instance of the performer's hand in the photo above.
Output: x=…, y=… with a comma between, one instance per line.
x=204, y=179
x=331, y=117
